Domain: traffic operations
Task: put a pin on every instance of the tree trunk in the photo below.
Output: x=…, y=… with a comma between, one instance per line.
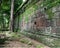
x=11, y=17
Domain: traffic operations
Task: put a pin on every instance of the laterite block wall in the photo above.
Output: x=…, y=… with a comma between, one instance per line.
x=37, y=24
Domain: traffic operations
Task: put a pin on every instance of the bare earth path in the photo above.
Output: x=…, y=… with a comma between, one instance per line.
x=17, y=44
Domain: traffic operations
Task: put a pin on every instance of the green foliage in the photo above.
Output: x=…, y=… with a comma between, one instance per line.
x=56, y=42
x=50, y=13
x=26, y=41
x=5, y=7
x=49, y=4
x=3, y=37
x=2, y=40
x=35, y=7
x=39, y=46
x=17, y=4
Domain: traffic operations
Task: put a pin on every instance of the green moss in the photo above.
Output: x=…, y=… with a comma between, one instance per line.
x=56, y=42
x=26, y=41
x=50, y=14
x=39, y=46
x=36, y=7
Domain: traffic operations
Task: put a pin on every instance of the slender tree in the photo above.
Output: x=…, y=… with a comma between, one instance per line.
x=11, y=17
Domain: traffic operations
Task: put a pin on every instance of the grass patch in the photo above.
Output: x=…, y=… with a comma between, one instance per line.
x=26, y=41
x=39, y=46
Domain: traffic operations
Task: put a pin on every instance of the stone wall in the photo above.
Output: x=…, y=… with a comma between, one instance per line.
x=35, y=23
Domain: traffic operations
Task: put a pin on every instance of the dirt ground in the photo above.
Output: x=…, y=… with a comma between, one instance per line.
x=22, y=43
x=17, y=44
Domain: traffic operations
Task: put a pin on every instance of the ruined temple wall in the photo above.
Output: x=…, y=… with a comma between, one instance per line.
x=35, y=19
x=35, y=23
x=28, y=15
